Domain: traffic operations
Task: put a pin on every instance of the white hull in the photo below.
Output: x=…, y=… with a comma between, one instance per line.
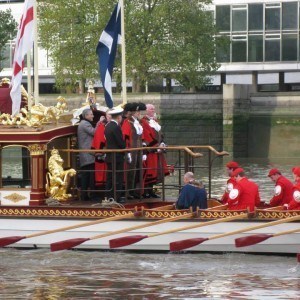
x=21, y=227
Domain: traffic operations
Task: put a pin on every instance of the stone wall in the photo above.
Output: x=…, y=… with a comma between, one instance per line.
x=244, y=124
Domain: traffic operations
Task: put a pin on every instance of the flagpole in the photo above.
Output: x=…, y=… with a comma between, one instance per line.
x=124, y=81
x=29, y=88
x=35, y=56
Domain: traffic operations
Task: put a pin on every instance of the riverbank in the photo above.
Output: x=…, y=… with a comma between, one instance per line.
x=243, y=123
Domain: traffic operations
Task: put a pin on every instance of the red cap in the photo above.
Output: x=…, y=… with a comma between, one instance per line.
x=274, y=172
x=236, y=172
x=232, y=165
x=296, y=171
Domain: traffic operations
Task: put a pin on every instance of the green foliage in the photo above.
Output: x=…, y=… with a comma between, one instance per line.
x=70, y=32
x=171, y=38
x=8, y=30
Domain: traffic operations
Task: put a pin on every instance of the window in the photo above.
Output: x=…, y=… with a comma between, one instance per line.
x=289, y=47
x=255, y=16
x=239, y=49
x=255, y=48
x=289, y=15
x=272, y=48
x=223, y=17
x=239, y=18
x=273, y=16
x=223, y=49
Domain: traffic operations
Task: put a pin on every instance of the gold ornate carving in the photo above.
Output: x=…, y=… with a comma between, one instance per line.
x=162, y=214
x=91, y=96
x=37, y=149
x=37, y=116
x=58, y=179
x=62, y=212
x=270, y=215
x=210, y=214
x=15, y=197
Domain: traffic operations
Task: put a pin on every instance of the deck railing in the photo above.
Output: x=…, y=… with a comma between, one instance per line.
x=180, y=159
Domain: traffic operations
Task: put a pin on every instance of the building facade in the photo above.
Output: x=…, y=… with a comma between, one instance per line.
x=263, y=45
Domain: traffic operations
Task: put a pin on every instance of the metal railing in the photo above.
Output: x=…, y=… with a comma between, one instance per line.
x=180, y=159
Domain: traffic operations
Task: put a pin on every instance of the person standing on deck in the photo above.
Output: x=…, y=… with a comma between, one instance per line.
x=295, y=202
x=114, y=140
x=99, y=142
x=85, y=135
x=155, y=164
x=230, y=167
x=245, y=194
x=283, y=191
x=191, y=195
x=133, y=135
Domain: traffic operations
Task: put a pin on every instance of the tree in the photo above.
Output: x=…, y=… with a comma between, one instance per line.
x=171, y=38
x=8, y=31
x=70, y=32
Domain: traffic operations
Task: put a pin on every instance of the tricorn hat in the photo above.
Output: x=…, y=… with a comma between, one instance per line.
x=135, y=106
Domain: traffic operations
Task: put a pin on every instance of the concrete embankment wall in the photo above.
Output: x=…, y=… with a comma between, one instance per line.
x=243, y=123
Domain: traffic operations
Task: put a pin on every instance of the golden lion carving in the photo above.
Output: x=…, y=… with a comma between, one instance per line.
x=58, y=179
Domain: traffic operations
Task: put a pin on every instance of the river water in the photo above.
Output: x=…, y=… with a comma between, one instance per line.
x=40, y=274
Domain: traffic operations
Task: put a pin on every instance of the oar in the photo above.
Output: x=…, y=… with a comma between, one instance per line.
x=184, y=244
x=257, y=238
x=165, y=207
x=5, y=241
x=219, y=207
x=280, y=207
x=131, y=239
x=68, y=244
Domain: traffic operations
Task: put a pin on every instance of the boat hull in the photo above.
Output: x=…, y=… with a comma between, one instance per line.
x=287, y=244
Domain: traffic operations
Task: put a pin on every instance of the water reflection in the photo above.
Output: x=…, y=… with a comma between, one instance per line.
x=40, y=274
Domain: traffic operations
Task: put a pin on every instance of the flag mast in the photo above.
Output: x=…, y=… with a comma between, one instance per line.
x=35, y=55
x=124, y=81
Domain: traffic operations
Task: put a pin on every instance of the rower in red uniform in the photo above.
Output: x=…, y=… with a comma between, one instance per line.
x=283, y=192
x=99, y=142
x=245, y=194
x=295, y=202
x=230, y=167
x=155, y=164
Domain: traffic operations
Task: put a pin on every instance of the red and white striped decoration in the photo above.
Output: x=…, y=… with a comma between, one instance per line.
x=24, y=43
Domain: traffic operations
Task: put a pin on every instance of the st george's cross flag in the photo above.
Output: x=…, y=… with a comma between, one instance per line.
x=24, y=43
x=106, y=51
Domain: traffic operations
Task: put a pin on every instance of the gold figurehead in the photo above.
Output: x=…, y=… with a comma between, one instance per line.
x=58, y=179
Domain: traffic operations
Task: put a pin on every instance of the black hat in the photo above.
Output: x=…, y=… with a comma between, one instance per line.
x=135, y=106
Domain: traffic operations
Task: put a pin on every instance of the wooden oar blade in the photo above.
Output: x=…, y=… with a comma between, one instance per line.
x=251, y=240
x=67, y=244
x=184, y=244
x=126, y=240
x=10, y=240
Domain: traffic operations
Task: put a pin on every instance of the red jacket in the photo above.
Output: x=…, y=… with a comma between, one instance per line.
x=295, y=202
x=230, y=185
x=99, y=141
x=283, y=192
x=244, y=195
